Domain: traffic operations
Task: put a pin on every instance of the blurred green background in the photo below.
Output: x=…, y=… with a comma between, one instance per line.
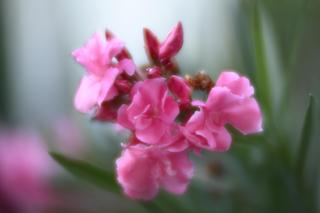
x=274, y=42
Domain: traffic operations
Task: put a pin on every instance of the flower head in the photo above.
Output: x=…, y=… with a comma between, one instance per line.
x=142, y=170
x=98, y=84
x=229, y=102
x=151, y=112
x=156, y=105
x=25, y=169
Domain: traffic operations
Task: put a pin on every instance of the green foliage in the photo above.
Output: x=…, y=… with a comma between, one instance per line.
x=306, y=137
x=88, y=172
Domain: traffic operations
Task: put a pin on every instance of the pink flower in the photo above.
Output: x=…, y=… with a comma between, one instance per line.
x=203, y=134
x=229, y=102
x=164, y=52
x=151, y=112
x=25, y=169
x=98, y=83
x=142, y=170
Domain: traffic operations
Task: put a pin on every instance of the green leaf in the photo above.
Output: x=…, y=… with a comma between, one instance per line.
x=88, y=172
x=306, y=138
x=262, y=77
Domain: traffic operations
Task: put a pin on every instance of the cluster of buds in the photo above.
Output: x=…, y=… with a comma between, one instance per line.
x=155, y=104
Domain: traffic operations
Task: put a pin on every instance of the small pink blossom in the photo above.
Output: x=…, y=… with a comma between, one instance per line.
x=98, y=83
x=151, y=111
x=203, y=134
x=238, y=85
x=229, y=102
x=25, y=169
x=142, y=170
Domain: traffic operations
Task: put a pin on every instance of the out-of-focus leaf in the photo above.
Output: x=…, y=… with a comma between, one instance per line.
x=151, y=207
x=306, y=137
x=106, y=180
x=88, y=172
x=165, y=203
x=262, y=77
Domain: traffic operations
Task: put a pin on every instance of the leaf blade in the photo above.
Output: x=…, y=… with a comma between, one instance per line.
x=306, y=137
x=88, y=172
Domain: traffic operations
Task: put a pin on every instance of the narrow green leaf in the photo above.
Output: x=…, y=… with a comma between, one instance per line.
x=306, y=137
x=88, y=172
x=151, y=206
x=262, y=77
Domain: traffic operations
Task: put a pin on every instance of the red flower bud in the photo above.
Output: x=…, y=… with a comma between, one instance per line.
x=107, y=112
x=172, y=44
x=154, y=72
x=180, y=88
x=123, y=86
x=152, y=45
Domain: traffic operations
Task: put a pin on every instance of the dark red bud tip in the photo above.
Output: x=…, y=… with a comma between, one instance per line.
x=152, y=44
x=109, y=35
x=107, y=112
x=133, y=140
x=123, y=86
x=124, y=53
x=173, y=43
x=154, y=72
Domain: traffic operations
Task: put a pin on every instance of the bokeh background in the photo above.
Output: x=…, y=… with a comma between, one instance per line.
x=276, y=43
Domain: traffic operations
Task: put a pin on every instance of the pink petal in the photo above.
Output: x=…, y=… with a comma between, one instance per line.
x=196, y=121
x=153, y=133
x=143, y=120
x=124, y=53
x=170, y=109
x=227, y=77
x=107, y=93
x=173, y=140
x=245, y=116
x=137, y=106
x=238, y=85
x=221, y=97
x=91, y=55
x=87, y=94
x=178, y=174
x=208, y=141
x=223, y=140
x=178, y=146
x=113, y=48
x=153, y=90
x=122, y=117
x=128, y=66
x=198, y=103
x=137, y=173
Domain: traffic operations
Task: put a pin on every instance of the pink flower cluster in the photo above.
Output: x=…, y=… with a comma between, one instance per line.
x=25, y=172
x=156, y=105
